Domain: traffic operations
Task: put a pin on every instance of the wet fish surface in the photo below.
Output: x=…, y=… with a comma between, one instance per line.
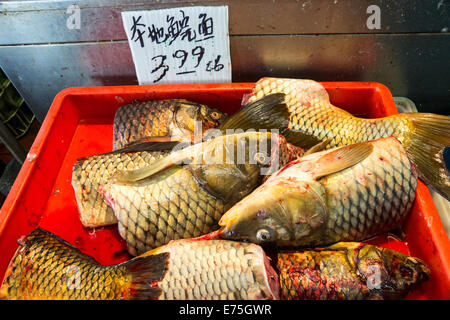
x=217, y=269
x=344, y=194
x=173, y=118
x=424, y=135
x=47, y=267
x=169, y=200
x=89, y=173
x=349, y=271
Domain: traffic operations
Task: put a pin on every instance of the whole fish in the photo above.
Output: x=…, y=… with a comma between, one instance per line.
x=345, y=194
x=47, y=267
x=88, y=173
x=184, y=194
x=350, y=271
x=175, y=118
x=424, y=135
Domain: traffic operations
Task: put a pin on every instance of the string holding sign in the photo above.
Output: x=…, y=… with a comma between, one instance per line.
x=180, y=45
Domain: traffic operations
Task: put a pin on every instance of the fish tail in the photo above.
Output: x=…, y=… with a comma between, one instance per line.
x=429, y=136
x=145, y=274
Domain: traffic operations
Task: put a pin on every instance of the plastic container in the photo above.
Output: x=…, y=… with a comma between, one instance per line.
x=79, y=123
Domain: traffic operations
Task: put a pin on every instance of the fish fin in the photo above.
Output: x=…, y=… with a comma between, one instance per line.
x=300, y=139
x=145, y=273
x=176, y=157
x=341, y=158
x=269, y=112
x=429, y=137
x=139, y=147
x=316, y=148
x=151, y=144
x=199, y=176
x=342, y=246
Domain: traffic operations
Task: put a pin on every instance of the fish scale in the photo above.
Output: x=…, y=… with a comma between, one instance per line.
x=214, y=269
x=313, y=114
x=91, y=172
x=361, y=194
x=136, y=121
x=385, y=205
x=352, y=271
x=38, y=273
x=312, y=118
x=154, y=206
x=178, y=191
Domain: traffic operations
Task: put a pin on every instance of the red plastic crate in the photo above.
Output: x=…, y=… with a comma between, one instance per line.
x=80, y=123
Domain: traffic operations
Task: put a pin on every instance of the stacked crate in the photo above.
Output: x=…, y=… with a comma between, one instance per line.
x=14, y=112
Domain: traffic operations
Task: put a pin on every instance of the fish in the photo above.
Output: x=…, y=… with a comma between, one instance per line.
x=88, y=173
x=349, y=193
x=47, y=267
x=349, y=271
x=424, y=135
x=184, y=194
x=174, y=118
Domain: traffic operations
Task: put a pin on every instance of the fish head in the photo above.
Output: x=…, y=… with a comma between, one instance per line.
x=391, y=273
x=210, y=117
x=231, y=166
x=281, y=213
x=190, y=114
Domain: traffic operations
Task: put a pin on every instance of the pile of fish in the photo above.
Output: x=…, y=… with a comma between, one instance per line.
x=200, y=197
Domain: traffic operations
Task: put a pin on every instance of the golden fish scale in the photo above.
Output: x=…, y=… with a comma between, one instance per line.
x=170, y=206
x=324, y=275
x=49, y=269
x=213, y=269
x=91, y=172
x=313, y=114
x=141, y=119
x=383, y=186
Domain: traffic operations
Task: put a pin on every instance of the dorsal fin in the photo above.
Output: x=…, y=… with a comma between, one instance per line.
x=341, y=158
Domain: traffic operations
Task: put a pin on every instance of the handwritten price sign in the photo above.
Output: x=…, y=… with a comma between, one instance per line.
x=180, y=45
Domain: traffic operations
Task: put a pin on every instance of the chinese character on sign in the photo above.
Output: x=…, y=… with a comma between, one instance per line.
x=179, y=45
x=136, y=32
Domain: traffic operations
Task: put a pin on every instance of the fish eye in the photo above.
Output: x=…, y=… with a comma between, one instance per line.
x=215, y=115
x=260, y=158
x=263, y=235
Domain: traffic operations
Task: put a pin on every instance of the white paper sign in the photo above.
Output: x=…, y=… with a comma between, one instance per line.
x=180, y=45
